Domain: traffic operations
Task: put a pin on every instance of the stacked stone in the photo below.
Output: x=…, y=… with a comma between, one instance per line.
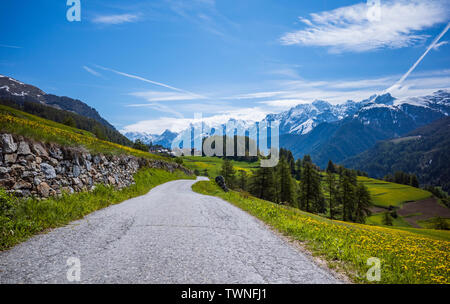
x=33, y=168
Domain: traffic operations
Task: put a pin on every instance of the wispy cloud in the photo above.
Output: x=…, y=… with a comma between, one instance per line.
x=157, y=126
x=348, y=28
x=116, y=19
x=438, y=45
x=204, y=14
x=10, y=46
x=91, y=71
x=158, y=107
x=149, y=81
x=164, y=96
x=411, y=69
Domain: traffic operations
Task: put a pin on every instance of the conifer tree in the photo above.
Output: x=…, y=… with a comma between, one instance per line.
x=310, y=196
x=414, y=181
x=332, y=194
x=262, y=184
x=362, y=203
x=285, y=182
x=228, y=173
x=298, y=169
x=346, y=194
x=242, y=180
x=330, y=167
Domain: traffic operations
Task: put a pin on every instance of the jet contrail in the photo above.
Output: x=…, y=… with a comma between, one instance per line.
x=149, y=81
x=432, y=45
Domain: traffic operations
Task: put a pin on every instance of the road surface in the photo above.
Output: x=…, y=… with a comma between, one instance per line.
x=170, y=235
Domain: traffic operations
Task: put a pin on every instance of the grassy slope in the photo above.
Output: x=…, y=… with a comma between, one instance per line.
x=385, y=194
x=31, y=126
x=29, y=216
x=214, y=164
x=405, y=257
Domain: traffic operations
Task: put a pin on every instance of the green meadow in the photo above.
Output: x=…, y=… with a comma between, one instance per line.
x=385, y=194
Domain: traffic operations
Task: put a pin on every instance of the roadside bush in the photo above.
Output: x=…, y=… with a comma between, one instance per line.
x=8, y=205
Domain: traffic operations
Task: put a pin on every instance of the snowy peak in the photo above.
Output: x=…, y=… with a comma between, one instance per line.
x=379, y=109
x=164, y=139
x=385, y=99
x=12, y=87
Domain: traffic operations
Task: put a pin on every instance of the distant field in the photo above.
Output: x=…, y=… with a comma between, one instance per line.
x=214, y=164
x=21, y=123
x=385, y=194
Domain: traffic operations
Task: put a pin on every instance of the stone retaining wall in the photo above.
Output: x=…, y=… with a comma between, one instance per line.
x=33, y=168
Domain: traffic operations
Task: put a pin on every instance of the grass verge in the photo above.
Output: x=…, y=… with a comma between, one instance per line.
x=405, y=257
x=22, y=218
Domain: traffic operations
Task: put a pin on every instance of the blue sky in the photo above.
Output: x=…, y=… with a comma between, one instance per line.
x=150, y=65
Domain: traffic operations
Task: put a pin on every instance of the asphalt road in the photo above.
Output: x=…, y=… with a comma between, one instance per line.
x=170, y=235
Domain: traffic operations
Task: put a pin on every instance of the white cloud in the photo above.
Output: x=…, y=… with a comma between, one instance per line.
x=116, y=19
x=348, y=28
x=165, y=96
x=438, y=45
x=148, y=81
x=257, y=95
x=92, y=71
x=412, y=68
x=10, y=46
x=157, y=126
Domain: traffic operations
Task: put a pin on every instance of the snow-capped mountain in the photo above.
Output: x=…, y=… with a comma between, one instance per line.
x=378, y=109
x=385, y=112
x=378, y=118
x=164, y=139
x=302, y=118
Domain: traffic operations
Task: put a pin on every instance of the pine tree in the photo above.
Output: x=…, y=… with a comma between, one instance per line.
x=69, y=121
x=362, y=203
x=310, y=196
x=242, y=180
x=414, y=181
x=332, y=194
x=285, y=182
x=262, y=184
x=228, y=173
x=330, y=167
x=298, y=169
x=387, y=219
x=346, y=194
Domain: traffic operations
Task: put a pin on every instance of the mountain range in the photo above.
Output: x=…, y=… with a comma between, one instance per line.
x=379, y=135
x=336, y=132
x=164, y=139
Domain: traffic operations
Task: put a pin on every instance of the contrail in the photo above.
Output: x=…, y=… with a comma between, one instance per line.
x=432, y=45
x=149, y=81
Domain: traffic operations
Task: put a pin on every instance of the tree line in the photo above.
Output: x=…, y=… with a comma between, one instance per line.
x=334, y=193
x=400, y=177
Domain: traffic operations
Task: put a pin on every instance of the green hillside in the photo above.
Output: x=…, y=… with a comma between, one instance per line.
x=17, y=122
x=385, y=194
x=423, y=152
x=214, y=164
